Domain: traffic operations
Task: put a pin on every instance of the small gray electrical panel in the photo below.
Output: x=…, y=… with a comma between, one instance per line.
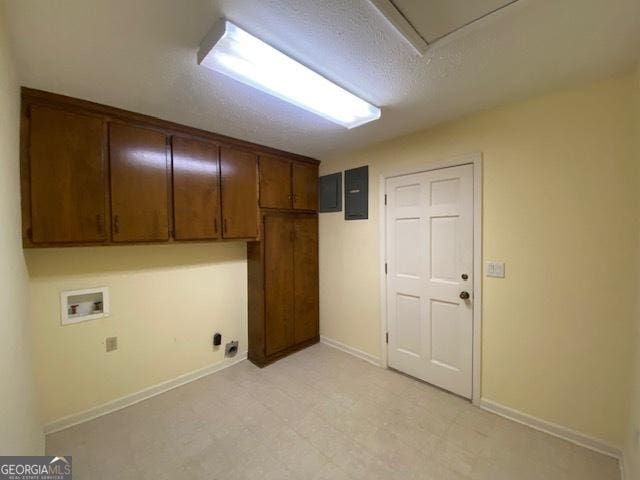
x=331, y=192
x=356, y=193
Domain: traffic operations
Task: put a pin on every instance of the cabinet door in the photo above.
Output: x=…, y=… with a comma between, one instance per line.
x=239, y=193
x=279, y=278
x=306, y=288
x=139, y=184
x=275, y=182
x=67, y=176
x=196, y=193
x=305, y=186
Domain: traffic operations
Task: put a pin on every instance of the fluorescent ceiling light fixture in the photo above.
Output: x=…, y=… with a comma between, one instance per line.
x=230, y=50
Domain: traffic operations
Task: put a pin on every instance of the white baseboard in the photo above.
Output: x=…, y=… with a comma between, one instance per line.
x=367, y=357
x=122, y=402
x=554, y=429
x=624, y=468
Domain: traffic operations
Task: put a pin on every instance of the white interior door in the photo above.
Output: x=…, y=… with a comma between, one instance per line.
x=430, y=276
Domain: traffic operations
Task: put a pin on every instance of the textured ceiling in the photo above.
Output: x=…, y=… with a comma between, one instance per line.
x=141, y=55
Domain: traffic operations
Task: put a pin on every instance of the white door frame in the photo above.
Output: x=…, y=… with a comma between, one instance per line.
x=474, y=159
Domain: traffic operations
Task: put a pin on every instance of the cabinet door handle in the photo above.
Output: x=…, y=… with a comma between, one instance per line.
x=215, y=225
x=116, y=224
x=225, y=226
x=99, y=223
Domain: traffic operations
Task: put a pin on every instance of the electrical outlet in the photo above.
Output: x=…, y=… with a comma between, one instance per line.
x=495, y=269
x=112, y=344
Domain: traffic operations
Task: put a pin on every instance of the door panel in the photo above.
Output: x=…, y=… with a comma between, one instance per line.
x=196, y=193
x=139, y=184
x=447, y=327
x=408, y=246
x=279, y=281
x=68, y=176
x=444, y=258
x=305, y=186
x=275, y=182
x=409, y=330
x=429, y=247
x=239, y=193
x=306, y=278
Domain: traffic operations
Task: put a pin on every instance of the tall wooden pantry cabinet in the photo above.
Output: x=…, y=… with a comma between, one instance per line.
x=283, y=266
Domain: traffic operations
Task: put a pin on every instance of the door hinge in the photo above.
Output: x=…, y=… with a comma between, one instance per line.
x=386, y=268
x=387, y=337
x=385, y=198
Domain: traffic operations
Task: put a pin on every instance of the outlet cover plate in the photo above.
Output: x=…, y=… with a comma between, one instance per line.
x=111, y=344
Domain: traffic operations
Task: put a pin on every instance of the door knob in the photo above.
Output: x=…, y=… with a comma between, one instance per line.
x=464, y=295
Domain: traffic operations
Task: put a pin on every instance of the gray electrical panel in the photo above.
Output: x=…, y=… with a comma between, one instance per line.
x=356, y=193
x=331, y=193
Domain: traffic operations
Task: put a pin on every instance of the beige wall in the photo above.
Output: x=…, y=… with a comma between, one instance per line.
x=167, y=301
x=20, y=432
x=632, y=445
x=558, y=195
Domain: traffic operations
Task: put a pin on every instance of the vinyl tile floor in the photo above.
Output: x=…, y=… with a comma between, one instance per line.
x=318, y=414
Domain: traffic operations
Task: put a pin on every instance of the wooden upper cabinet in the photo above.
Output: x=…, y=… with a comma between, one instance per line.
x=305, y=186
x=67, y=176
x=306, y=287
x=239, y=184
x=287, y=184
x=275, y=182
x=94, y=174
x=196, y=191
x=139, y=184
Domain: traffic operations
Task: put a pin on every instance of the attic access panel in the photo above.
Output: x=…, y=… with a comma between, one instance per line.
x=433, y=19
x=423, y=22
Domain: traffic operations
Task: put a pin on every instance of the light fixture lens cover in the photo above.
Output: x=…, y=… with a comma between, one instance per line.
x=233, y=52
